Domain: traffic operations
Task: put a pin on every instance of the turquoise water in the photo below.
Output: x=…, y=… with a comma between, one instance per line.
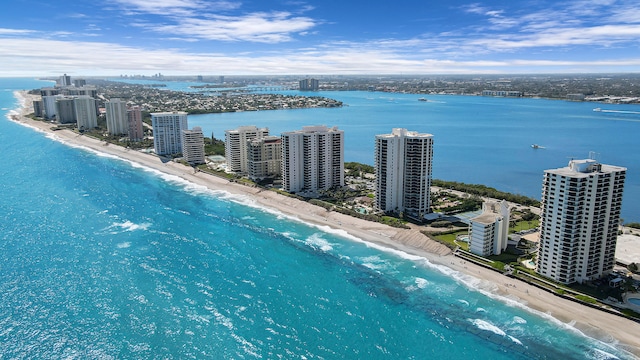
x=634, y=301
x=100, y=258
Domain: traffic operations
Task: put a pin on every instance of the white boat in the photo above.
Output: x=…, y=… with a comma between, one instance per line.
x=536, y=146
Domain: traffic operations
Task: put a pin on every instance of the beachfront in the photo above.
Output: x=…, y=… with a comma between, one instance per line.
x=593, y=322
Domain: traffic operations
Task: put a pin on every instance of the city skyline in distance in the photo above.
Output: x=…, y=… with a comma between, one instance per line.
x=179, y=37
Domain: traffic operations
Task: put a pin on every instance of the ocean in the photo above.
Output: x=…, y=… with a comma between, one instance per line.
x=101, y=258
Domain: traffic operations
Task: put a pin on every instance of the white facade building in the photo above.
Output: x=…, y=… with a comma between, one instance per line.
x=264, y=157
x=167, y=131
x=193, y=146
x=579, y=224
x=312, y=159
x=403, y=165
x=117, y=121
x=489, y=232
x=86, y=115
x=235, y=146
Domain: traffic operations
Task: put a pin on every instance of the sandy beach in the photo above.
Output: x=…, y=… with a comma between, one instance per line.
x=614, y=330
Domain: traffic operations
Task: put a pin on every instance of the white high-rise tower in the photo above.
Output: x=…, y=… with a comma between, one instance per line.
x=403, y=172
x=579, y=224
x=167, y=131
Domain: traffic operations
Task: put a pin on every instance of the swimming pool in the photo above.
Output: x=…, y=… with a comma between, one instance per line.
x=634, y=301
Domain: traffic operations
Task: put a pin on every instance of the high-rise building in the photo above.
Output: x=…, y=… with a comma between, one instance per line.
x=50, y=107
x=79, y=82
x=117, y=123
x=38, y=108
x=65, y=80
x=312, y=159
x=134, y=121
x=65, y=110
x=489, y=231
x=167, y=131
x=403, y=172
x=85, y=108
x=264, y=157
x=309, y=85
x=193, y=146
x=579, y=223
x=235, y=146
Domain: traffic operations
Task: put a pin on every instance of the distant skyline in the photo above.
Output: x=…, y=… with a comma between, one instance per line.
x=227, y=37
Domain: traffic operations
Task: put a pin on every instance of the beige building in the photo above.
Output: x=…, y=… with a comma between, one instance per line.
x=236, y=146
x=193, y=146
x=264, y=157
x=489, y=232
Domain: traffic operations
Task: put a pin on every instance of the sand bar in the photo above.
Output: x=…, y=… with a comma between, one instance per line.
x=612, y=329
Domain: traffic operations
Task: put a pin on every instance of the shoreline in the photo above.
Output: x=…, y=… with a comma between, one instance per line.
x=616, y=331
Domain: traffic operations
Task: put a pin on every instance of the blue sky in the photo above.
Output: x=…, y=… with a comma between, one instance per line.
x=206, y=37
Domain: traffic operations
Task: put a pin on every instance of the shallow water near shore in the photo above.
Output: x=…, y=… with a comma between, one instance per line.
x=102, y=259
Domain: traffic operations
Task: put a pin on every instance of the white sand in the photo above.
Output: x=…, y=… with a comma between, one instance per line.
x=615, y=330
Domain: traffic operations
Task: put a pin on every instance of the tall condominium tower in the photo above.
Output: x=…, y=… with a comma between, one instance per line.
x=134, y=123
x=117, y=117
x=167, y=131
x=235, y=146
x=85, y=108
x=65, y=110
x=264, y=157
x=193, y=146
x=309, y=84
x=403, y=172
x=579, y=223
x=312, y=159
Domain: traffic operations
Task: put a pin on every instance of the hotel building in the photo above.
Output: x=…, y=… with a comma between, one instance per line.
x=312, y=159
x=264, y=157
x=235, y=146
x=579, y=223
x=117, y=120
x=489, y=232
x=193, y=146
x=403, y=172
x=167, y=131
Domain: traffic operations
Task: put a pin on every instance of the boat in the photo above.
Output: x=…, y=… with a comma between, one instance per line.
x=597, y=109
x=422, y=99
x=536, y=146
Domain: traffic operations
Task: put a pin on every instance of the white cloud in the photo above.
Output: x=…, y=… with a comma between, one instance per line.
x=257, y=27
x=23, y=57
x=14, y=31
x=174, y=7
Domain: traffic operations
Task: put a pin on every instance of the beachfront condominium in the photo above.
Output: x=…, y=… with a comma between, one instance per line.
x=193, y=146
x=264, y=157
x=117, y=123
x=235, y=146
x=403, y=172
x=167, y=131
x=134, y=123
x=489, y=231
x=579, y=223
x=86, y=114
x=312, y=159
x=65, y=112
